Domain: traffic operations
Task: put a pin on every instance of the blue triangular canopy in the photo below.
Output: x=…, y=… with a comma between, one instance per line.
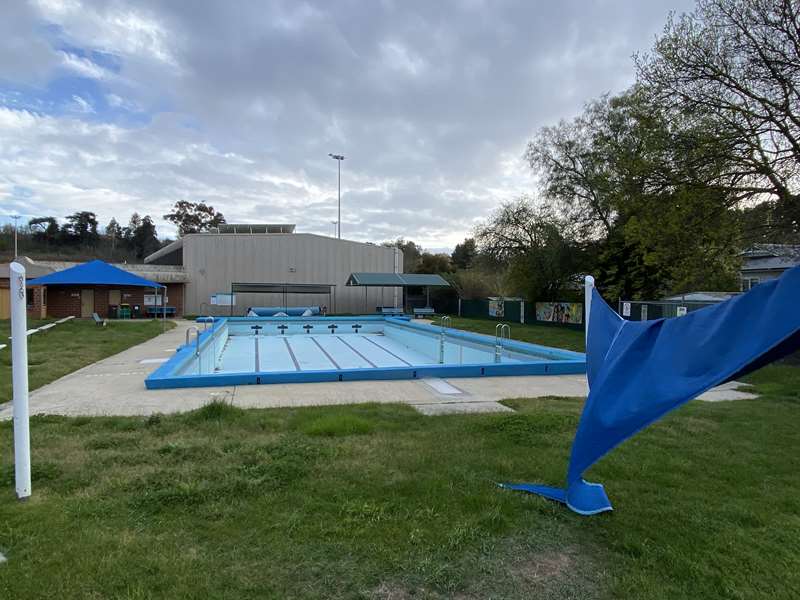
x=639, y=371
x=95, y=272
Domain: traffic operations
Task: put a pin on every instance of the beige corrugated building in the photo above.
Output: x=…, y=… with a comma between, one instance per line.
x=258, y=254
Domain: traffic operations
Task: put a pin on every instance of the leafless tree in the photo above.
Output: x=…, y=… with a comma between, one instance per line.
x=736, y=63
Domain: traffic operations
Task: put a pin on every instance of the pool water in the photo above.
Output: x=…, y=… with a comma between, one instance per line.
x=257, y=350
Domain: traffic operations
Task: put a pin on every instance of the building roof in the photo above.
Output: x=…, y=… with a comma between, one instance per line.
x=95, y=272
x=32, y=268
x=702, y=297
x=159, y=273
x=249, y=228
x=168, y=249
x=175, y=248
x=397, y=280
x=770, y=257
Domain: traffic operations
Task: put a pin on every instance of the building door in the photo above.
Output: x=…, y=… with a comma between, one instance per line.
x=5, y=303
x=114, y=297
x=87, y=303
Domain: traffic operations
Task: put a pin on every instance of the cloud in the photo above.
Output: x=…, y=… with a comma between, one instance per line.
x=82, y=66
x=81, y=105
x=431, y=102
x=25, y=54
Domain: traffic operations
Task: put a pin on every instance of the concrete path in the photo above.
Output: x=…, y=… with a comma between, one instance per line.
x=115, y=386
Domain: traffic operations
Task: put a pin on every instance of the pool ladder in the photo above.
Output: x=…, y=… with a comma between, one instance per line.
x=196, y=339
x=196, y=346
x=502, y=331
x=444, y=323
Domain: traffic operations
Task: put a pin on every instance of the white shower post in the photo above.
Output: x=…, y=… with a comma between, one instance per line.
x=19, y=377
x=587, y=304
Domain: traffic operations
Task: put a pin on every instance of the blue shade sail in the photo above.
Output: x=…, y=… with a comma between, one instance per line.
x=95, y=272
x=638, y=371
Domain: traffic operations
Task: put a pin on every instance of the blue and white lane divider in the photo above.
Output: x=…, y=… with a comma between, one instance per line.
x=42, y=328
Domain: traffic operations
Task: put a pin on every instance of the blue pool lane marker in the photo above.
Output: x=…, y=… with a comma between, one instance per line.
x=356, y=351
x=291, y=353
x=325, y=352
x=405, y=362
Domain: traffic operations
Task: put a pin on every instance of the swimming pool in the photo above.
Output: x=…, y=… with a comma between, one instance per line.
x=260, y=350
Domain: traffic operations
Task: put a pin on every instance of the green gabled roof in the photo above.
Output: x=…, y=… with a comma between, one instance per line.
x=397, y=280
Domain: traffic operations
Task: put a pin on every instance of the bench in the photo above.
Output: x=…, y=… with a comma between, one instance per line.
x=424, y=312
x=390, y=310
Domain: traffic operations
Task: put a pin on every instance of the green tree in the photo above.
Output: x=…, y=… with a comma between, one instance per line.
x=412, y=253
x=734, y=67
x=194, y=217
x=81, y=228
x=114, y=230
x=638, y=189
x=433, y=263
x=537, y=244
x=44, y=229
x=464, y=254
x=144, y=240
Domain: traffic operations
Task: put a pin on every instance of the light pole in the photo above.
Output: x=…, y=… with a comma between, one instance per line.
x=335, y=225
x=339, y=158
x=16, y=218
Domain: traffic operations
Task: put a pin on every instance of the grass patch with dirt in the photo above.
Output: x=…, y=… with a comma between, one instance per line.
x=378, y=501
x=69, y=346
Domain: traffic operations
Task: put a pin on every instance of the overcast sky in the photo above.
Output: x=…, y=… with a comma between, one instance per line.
x=118, y=107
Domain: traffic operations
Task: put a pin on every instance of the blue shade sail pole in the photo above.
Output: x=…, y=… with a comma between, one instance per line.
x=638, y=371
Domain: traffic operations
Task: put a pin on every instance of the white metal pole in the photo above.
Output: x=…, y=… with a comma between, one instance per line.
x=19, y=366
x=339, y=229
x=587, y=303
x=16, y=226
x=396, y=270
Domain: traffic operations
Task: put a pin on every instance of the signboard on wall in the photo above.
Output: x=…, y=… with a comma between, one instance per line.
x=497, y=307
x=223, y=299
x=681, y=311
x=560, y=312
x=154, y=299
x=626, y=309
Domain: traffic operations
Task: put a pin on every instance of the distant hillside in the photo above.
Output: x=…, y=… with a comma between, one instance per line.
x=104, y=248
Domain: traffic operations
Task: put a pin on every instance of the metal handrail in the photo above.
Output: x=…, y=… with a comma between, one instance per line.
x=499, y=331
x=444, y=322
x=196, y=337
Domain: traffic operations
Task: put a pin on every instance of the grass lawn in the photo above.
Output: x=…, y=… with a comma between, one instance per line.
x=377, y=501
x=70, y=346
x=547, y=335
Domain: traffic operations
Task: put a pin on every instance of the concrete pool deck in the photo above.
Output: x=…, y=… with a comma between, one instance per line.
x=115, y=386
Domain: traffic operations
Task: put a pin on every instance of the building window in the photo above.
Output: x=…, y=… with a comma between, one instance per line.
x=30, y=300
x=748, y=283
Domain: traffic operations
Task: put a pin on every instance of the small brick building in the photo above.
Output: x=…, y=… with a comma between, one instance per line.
x=77, y=290
x=82, y=301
